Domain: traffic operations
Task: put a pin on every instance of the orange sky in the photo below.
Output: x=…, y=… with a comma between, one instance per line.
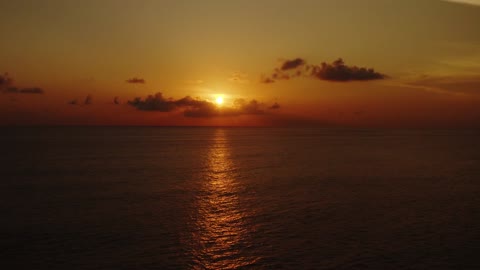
x=425, y=55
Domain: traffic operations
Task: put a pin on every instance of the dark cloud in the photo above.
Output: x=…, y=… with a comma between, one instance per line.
x=33, y=90
x=11, y=90
x=291, y=64
x=15, y=90
x=5, y=80
x=88, y=100
x=153, y=103
x=279, y=74
x=6, y=86
x=275, y=106
x=337, y=71
x=249, y=107
x=135, y=80
x=203, y=109
x=266, y=80
x=358, y=113
x=196, y=107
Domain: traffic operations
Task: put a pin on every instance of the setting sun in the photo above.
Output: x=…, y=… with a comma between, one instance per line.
x=219, y=100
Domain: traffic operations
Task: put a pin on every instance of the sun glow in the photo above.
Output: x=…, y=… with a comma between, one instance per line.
x=219, y=100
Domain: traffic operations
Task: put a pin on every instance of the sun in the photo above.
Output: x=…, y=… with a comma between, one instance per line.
x=219, y=100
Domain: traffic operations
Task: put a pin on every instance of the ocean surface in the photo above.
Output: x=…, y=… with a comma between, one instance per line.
x=238, y=198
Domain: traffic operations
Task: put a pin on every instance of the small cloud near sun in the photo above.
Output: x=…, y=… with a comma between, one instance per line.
x=196, y=107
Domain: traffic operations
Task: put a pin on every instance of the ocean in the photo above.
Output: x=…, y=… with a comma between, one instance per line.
x=239, y=198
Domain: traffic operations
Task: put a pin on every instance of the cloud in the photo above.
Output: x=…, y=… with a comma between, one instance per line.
x=6, y=86
x=291, y=64
x=469, y=2
x=34, y=90
x=88, y=100
x=15, y=90
x=153, y=103
x=452, y=84
x=239, y=77
x=136, y=80
x=203, y=109
x=11, y=90
x=250, y=107
x=337, y=71
x=267, y=80
x=194, y=107
x=5, y=80
x=275, y=106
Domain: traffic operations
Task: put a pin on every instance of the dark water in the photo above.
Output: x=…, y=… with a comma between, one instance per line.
x=223, y=198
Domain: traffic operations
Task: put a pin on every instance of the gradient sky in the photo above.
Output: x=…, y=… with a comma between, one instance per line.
x=428, y=50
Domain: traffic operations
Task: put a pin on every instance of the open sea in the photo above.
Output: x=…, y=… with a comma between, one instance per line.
x=238, y=198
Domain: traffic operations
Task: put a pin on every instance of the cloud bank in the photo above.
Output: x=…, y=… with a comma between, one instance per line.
x=337, y=71
x=199, y=108
x=6, y=86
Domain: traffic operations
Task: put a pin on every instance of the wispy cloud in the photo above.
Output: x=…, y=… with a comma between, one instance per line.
x=449, y=84
x=239, y=77
x=194, y=82
x=469, y=2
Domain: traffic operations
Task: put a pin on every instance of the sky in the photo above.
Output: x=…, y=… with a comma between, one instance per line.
x=373, y=63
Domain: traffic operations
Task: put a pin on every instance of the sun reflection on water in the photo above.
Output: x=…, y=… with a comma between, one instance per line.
x=221, y=237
